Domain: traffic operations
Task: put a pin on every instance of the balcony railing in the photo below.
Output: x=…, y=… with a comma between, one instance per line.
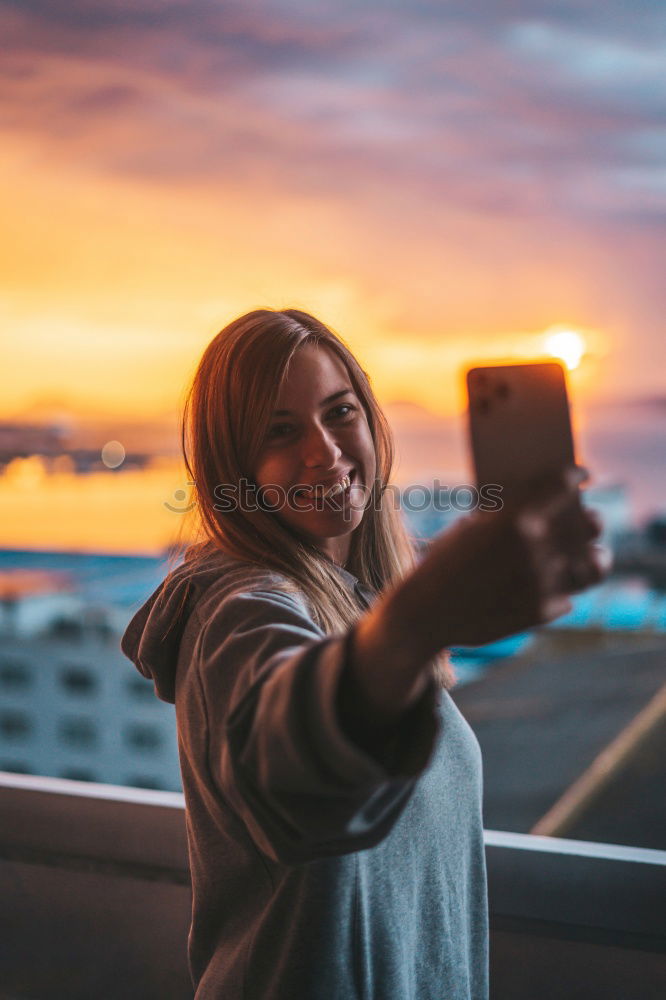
x=96, y=903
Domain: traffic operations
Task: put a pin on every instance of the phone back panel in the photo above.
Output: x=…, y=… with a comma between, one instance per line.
x=519, y=423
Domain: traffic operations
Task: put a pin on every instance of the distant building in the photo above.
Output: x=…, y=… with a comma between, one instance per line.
x=52, y=441
x=22, y=439
x=71, y=705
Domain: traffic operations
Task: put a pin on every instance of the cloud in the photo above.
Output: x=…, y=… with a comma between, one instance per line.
x=464, y=107
x=472, y=168
x=468, y=106
x=458, y=98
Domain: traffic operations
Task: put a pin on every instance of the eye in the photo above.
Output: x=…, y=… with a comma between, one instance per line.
x=344, y=413
x=280, y=430
x=344, y=406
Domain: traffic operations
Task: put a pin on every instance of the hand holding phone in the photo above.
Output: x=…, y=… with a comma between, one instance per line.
x=523, y=451
x=519, y=426
x=497, y=572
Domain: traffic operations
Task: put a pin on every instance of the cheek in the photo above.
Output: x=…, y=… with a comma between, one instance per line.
x=274, y=469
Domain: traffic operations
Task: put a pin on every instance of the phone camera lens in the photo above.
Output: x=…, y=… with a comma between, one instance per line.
x=502, y=390
x=483, y=406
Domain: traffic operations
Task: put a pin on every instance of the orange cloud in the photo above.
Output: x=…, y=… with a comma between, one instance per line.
x=437, y=188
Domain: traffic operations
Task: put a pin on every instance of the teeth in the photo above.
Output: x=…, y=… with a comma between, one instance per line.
x=344, y=484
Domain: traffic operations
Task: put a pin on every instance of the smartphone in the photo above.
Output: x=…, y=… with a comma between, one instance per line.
x=519, y=425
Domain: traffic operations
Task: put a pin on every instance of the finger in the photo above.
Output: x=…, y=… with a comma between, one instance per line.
x=554, y=575
x=580, y=474
x=554, y=608
x=603, y=558
x=551, y=531
x=587, y=570
x=575, y=527
x=593, y=521
x=578, y=576
x=532, y=525
x=553, y=494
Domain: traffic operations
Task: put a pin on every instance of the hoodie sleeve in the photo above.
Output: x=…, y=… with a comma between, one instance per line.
x=278, y=747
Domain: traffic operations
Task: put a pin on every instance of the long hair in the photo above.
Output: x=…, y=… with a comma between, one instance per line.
x=226, y=417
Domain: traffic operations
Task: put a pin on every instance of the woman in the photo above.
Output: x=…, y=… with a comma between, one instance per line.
x=333, y=790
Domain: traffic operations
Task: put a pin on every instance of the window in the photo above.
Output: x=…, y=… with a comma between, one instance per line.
x=77, y=680
x=78, y=732
x=143, y=737
x=77, y=774
x=144, y=781
x=15, y=766
x=14, y=725
x=141, y=689
x=65, y=628
x=14, y=673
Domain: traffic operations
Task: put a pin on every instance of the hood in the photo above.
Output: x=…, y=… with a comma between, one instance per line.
x=153, y=637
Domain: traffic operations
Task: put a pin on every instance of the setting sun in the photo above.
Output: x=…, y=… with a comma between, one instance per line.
x=567, y=345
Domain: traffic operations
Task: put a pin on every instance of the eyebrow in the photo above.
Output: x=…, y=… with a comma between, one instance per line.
x=324, y=402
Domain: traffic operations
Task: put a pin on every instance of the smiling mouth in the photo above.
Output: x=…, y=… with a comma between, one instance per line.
x=339, y=488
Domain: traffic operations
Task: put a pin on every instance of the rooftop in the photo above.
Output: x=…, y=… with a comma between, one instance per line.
x=544, y=718
x=97, y=903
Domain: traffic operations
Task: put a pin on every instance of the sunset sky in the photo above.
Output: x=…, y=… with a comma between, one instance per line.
x=440, y=182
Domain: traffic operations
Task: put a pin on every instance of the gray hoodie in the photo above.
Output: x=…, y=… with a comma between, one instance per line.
x=323, y=867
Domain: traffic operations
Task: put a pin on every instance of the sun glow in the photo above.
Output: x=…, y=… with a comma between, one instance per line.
x=567, y=345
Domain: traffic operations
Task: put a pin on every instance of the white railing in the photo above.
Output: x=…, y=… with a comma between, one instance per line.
x=96, y=903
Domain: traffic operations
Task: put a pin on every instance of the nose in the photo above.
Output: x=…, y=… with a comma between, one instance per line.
x=320, y=449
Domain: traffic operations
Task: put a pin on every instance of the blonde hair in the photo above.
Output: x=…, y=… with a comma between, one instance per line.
x=226, y=417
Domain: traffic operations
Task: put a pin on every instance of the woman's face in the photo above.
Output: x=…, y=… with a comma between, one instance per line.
x=318, y=435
